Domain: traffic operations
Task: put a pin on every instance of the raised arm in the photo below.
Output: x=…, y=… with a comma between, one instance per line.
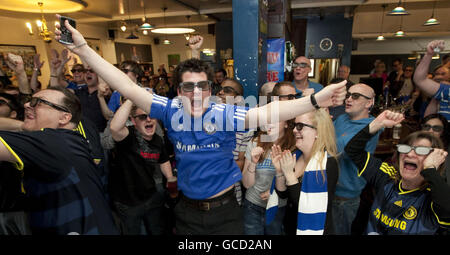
x=331, y=95
x=429, y=86
x=115, y=78
x=355, y=148
x=15, y=62
x=101, y=93
x=195, y=43
x=119, y=130
x=37, y=66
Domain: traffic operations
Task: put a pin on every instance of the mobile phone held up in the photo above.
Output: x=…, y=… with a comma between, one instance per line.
x=66, y=35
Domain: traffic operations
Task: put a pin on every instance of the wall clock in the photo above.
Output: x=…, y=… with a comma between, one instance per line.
x=326, y=44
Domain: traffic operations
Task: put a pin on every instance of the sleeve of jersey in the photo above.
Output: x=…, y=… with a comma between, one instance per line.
x=160, y=108
x=32, y=149
x=236, y=115
x=114, y=101
x=440, y=191
x=368, y=166
x=443, y=93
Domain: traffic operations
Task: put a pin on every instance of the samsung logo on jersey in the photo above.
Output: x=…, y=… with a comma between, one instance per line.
x=194, y=147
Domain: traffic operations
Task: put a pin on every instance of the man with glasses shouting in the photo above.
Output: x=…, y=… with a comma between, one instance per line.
x=300, y=69
x=359, y=101
x=60, y=179
x=137, y=152
x=203, y=135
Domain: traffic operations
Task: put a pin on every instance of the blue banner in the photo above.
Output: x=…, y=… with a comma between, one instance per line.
x=275, y=59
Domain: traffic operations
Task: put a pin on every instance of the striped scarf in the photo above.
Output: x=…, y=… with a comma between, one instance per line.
x=313, y=201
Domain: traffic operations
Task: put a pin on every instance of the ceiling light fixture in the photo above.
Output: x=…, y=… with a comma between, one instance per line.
x=399, y=10
x=145, y=25
x=381, y=37
x=400, y=32
x=54, y=6
x=131, y=36
x=171, y=30
x=432, y=21
x=42, y=26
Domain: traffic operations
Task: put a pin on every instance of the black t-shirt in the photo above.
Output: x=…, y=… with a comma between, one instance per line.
x=90, y=107
x=12, y=197
x=131, y=179
x=61, y=182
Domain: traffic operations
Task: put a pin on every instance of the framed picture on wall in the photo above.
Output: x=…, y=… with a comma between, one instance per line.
x=141, y=53
x=173, y=59
x=95, y=44
x=27, y=53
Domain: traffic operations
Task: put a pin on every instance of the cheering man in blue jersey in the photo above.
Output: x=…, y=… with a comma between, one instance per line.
x=203, y=134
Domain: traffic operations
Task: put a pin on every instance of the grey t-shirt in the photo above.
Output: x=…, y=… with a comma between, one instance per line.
x=265, y=172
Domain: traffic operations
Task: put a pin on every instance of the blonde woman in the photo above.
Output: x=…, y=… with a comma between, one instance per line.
x=308, y=177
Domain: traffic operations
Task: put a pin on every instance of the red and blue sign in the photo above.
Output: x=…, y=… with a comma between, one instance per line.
x=275, y=59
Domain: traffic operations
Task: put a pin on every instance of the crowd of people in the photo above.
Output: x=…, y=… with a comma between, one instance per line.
x=107, y=153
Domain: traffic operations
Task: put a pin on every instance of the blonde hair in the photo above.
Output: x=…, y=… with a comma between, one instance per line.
x=324, y=141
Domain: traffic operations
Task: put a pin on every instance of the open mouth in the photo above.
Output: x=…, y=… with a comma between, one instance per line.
x=298, y=137
x=149, y=127
x=410, y=166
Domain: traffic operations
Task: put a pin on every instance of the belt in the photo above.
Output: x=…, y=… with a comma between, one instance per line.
x=208, y=204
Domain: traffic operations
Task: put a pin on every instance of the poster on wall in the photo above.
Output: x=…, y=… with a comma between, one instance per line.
x=27, y=53
x=275, y=59
x=141, y=53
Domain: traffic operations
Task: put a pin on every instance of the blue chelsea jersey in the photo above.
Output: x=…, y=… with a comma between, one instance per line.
x=203, y=146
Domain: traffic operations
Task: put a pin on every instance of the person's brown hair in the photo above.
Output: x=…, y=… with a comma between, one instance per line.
x=71, y=102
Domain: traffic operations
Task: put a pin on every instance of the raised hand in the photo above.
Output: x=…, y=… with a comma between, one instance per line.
x=435, y=158
x=103, y=88
x=288, y=164
x=78, y=39
x=436, y=44
x=256, y=154
x=276, y=158
x=386, y=119
x=55, y=62
x=331, y=95
x=15, y=62
x=37, y=61
x=65, y=56
x=195, y=42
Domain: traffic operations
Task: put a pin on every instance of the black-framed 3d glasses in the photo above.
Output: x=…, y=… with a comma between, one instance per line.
x=419, y=150
x=189, y=86
x=301, y=65
x=435, y=128
x=34, y=101
x=141, y=117
x=300, y=125
x=356, y=95
x=78, y=70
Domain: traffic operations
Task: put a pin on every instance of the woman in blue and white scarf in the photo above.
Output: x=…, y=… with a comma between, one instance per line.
x=308, y=179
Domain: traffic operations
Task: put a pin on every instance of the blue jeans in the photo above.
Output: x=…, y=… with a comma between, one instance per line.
x=149, y=214
x=255, y=220
x=344, y=212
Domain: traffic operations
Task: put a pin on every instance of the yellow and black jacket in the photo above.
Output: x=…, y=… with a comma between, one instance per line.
x=395, y=211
